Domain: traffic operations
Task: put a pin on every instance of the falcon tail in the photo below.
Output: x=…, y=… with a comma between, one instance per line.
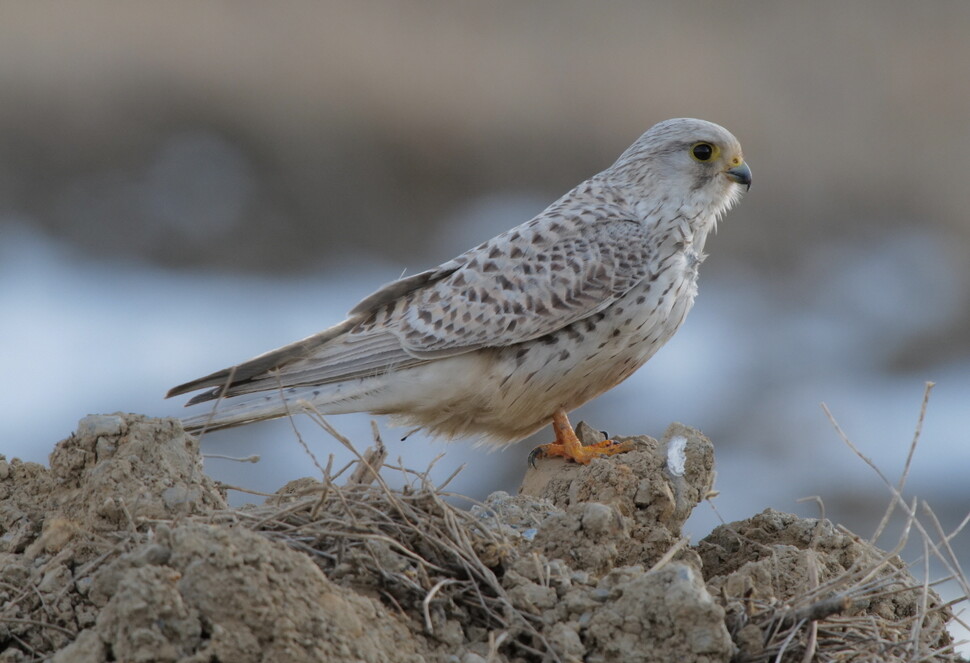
x=336, y=398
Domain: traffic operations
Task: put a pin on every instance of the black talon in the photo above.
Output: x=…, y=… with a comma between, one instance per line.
x=606, y=435
x=533, y=455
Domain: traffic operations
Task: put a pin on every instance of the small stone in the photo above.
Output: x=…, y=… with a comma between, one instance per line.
x=533, y=597
x=152, y=555
x=12, y=656
x=104, y=448
x=178, y=496
x=54, y=580
x=82, y=585
x=597, y=518
x=96, y=425
x=451, y=633
x=587, y=434
x=567, y=641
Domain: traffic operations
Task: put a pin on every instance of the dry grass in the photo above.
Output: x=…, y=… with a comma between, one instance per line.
x=420, y=553
x=429, y=558
x=435, y=563
x=812, y=627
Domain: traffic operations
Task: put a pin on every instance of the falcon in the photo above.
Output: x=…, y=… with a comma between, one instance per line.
x=518, y=331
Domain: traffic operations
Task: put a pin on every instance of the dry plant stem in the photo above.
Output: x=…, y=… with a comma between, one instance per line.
x=34, y=622
x=35, y=655
x=23, y=593
x=451, y=476
x=370, y=463
x=296, y=431
x=375, y=473
x=924, y=599
x=942, y=549
x=438, y=539
x=277, y=515
x=669, y=555
x=818, y=500
x=255, y=458
x=887, y=557
x=945, y=539
x=429, y=627
x=247, y=491
x=816, y=611
x=787, y=641
x=900, y=590
x=325, y=491
x=343, y=470
x=494, y=643
x=856, y=586
x=948, y=561
x=958, y=620
x=909, y=461
x=860, y=585
x=710, y=502
x=217, y=402
x=323, y=423
x=813, y=623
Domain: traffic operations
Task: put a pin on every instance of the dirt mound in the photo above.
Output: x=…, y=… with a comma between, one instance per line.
x=125, y=551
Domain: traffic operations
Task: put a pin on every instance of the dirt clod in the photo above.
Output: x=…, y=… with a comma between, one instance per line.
x=123, y=550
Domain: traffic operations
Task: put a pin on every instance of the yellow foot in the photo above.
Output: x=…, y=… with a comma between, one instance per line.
x=568, y=445
x=583, y=455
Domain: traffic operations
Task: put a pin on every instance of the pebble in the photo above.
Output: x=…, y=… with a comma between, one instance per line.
x=96, y=425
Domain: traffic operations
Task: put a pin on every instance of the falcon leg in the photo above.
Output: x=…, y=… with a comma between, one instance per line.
x=568, y=445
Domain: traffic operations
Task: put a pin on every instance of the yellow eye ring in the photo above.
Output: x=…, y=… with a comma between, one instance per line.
x=704, y=152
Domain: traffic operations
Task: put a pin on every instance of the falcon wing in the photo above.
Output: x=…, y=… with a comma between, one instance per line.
x=523, y=284
x=325, y=353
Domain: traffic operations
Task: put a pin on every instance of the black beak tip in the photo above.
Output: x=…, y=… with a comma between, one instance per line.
x=740, y=174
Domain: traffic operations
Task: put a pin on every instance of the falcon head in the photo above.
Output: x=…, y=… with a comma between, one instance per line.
x=694, y=165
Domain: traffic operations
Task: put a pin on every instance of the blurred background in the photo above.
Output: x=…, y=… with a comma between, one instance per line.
x=184, y=185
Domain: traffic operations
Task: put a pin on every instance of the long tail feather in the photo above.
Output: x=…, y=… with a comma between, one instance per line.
x=338, y=398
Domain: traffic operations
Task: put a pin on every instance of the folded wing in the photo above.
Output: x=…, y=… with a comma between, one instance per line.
x=524, y=284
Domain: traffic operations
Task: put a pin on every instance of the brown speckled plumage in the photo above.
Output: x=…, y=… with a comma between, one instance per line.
x=541, y=318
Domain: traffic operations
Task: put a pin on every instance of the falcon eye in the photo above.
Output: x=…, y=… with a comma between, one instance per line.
x=703, y=151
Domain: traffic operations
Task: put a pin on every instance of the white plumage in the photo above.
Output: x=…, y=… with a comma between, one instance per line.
x=537, y=320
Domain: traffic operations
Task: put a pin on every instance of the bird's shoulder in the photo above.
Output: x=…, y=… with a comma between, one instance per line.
x=592, y=213
x=590, y=232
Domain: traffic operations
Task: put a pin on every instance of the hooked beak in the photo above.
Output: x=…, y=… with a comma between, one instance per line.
x=740, y=174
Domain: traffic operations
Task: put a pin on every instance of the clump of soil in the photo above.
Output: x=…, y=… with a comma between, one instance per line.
x=123, y=550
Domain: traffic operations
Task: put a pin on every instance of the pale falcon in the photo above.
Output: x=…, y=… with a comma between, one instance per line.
x=525, y=327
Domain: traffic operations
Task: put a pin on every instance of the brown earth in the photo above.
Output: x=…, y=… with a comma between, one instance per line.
x=124, y=550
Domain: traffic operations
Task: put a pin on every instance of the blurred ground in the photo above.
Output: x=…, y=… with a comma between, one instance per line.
x=184, y=185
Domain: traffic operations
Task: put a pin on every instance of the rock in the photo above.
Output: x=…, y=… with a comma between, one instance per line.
x=775, y=558
x=228, y=594
x=96, y=425
x=667, y=615
x=150, y=469
x=649, y=503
